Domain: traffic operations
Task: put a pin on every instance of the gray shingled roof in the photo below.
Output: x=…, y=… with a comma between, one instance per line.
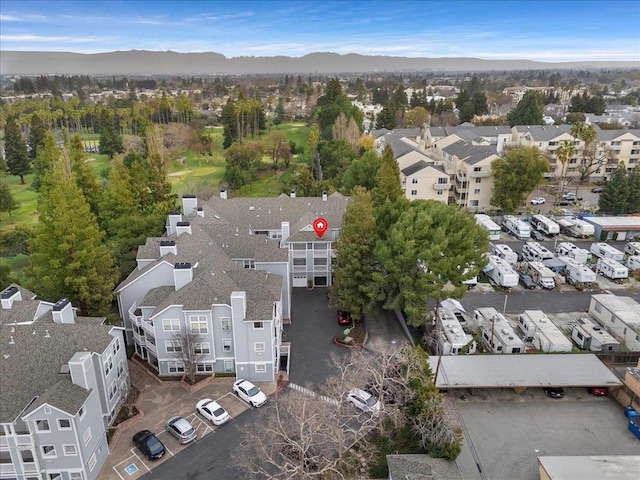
x=608, y=135
x=416, y=167
x=30, y=366
x=543, y=133
x=468, y=153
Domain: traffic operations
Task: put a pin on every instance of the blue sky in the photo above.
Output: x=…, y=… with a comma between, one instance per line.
x=550, y=30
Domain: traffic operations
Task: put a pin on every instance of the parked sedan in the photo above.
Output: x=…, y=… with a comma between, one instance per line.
x=597, y=189
x=249, y=393
x=527, y=281
x=538, y=201
x=212, y=411
x=537, y=236
x=180, y=428
x=554, y=392
x=599, y=391
x=149, y=445
x=363, y=400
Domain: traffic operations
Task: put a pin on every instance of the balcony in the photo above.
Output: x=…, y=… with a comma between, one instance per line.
x=24, y=439
x=480, y=174
x=4, y=443
x=140, y=339
x=7, y=469
x=147, y=327
x=441, y=186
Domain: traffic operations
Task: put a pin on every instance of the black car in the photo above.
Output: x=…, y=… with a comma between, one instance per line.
x=537, y=236
x=554, y=392
x=563, y=203
x=526, y=281
x=149, y=444
x=597, y=189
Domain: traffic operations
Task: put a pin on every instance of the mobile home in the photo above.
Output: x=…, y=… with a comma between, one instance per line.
x=632, y=248
x=541, y=274
x=612, y=269
x=568, y=249
x=517, y=227
x=542, y=333
x=506, y=253
x=452, y=339
x=533, y=251
x=498, y=335
x=620, y=316
x=501, y=272
x=591, y=336
x=604, y=250
x=578, y=273
x=580, y=228
x=492, y=227
x=633, y=263
x=545, y=225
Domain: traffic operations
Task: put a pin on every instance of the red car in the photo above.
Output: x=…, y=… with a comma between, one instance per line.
x=344, y=318
x=599, y=391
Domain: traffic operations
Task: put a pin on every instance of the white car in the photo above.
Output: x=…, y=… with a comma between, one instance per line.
x=364, y=400
x=212, y=411
x=249, y=393
x=538, y=201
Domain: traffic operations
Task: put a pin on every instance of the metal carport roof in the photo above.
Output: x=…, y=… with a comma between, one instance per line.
x=522, y=370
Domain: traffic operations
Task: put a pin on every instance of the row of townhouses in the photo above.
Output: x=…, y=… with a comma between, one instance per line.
x=63, y=379
x=452, y=165
x=222, y=278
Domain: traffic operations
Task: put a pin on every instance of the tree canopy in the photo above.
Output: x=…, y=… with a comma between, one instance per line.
x=15, y=149
x=621, y=193
x=528, y=111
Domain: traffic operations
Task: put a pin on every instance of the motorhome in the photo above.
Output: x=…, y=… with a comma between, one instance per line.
x=633, y=263
x=542, y=333
x=533, y=251
x=591, y=336
x=517, y=227
x=452, y=339
x=501, y=272
x=604, y=250
x=568, y=249
x=545, y=225
x=580, y=228
x=632, y=248
x=497, y=333
x=612, y=269
x=578, y=273
x=540, y=274
x=492, y=227
x=506, y=253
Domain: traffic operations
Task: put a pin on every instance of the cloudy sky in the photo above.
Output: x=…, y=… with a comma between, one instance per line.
x=546, y=30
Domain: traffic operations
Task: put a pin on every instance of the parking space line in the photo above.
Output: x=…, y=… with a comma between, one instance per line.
x=141, y=461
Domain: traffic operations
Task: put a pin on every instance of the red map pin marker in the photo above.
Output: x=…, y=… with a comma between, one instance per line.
x=320, y=226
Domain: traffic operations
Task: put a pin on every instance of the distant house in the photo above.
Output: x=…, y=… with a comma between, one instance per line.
x=63, y=378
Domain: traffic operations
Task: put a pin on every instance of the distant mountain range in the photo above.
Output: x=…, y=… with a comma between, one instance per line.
x=144, y=62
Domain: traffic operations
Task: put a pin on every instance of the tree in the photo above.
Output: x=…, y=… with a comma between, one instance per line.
x=67, y=254
x=616, y=195
x=83, y=173
x=355, y=260
x=590, y=159
x=188, y=348
x=37, y=134
x=15, y=149
x=302, y=181
x=110, y=138
x=417, y=117
x=362, y=171
x=515, y=175
x=388, y=186
x=7, y=202
x=429, y=247
x=241, y=161
x=527, y=112
x=273, y=145
x=564, y=153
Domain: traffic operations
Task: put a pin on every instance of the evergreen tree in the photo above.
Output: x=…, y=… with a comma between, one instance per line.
x=37, y=134
x=361, y=172
x=634, y=190
x=388, y=186
x=42, y=163
x=15, y=149
x=110, y=138
x=67, y=256
x=527, y=112
x=83, y=173
x=7, y=202
x=615, y=198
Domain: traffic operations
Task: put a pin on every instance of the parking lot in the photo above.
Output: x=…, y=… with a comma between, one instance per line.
x=505, y=433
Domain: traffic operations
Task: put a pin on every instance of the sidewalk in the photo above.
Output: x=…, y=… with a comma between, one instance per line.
x=157, y=402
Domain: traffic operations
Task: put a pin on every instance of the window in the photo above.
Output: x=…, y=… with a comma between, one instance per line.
x=75, y=475
x=120, y=369
x=225, y=324
x=201, y=348
x=112, y=390
x=47, y=410
x=443, y=180
x=48, y=451
x=92, y=462
x=258, y=347
x=228, y=366
x=64, y=424
x=473, y=203
x=414, y=192
x=81, y=413
x=439, y=192
x=86, y=438
x=116, y=347
x=226, y=345
x=69, y=450
x=261, y=367
x=204, y=367
x=320, y=261
x=477, y=169
x=199, y=324
x=42, y=425
x=598, y=308
x=258, y=326
x=478, y=180
x=476, y=191
x=414, y=180
x=173, y=346
x=170, y=324
x=108, y=365
x=300, y=262
x=54, y=476
x=249, y=264
x=175, y=367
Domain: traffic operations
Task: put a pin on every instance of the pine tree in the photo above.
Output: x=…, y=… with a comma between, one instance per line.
x=110, y=138
x=83, y=173
x=527, y=112
x=42, y=163
x=388, y=186
x=37, y=134
x=15, y=149
x=615, y=198
x=67, y=254
x=7, y=202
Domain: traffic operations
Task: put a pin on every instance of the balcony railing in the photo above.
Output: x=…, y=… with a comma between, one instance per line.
x=24, y=439
x=4, y=443
x=441, y=186
x=7, y=469
x=480, y=174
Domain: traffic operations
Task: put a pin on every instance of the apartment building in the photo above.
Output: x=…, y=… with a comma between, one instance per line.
x=63, y=378
x=216, y=290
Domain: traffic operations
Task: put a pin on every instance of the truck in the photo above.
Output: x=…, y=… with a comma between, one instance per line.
x=500, y=272
x=492, y=227
x=578, y=273
x=604, y=250
x=545, y=225
x=568, y=249
x=534, y=251
x=506, y=253
x=612, y=269
x=540, y=274
x=634, y=421
x=632, y=248
x=518, y=228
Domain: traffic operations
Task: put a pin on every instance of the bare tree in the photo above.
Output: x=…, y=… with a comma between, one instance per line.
x=189, y=349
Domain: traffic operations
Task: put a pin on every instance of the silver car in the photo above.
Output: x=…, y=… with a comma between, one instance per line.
x=180, y=428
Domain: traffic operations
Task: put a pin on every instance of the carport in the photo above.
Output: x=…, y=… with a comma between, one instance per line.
x=520, y=372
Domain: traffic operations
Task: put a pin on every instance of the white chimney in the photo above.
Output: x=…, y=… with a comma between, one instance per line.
x=63, y=311
x=183, y=227
x=182, y=274
x=239, y=305
x=10, y=295
x=172, y=222
x=189, y=204
x=223, y=193
x=200, y=212
x=168, y=246
x=285, y=233
x=324, y=195
x=293, y=193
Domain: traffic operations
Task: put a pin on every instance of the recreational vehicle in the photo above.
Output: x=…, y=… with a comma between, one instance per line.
x=542, y=333
x=545, y=225
x=492, y=227
x=632, y=248
x=591, y=336
x=517, y=227
x=612, y=269
x=604, y=250
x=452, y=338
x=578, y=273
x=633, y=263
x=568, y=249
x=580, y=228
x=541, y=274
x=497, y=333
x=506, y=253
x=533, y=251
x=501, y=272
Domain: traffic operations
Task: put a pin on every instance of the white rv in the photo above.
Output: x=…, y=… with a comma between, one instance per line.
x=632, y=248
x=568, y=249
x=612, y=269
x=452, y=338
x=541, y=274
x=580, y=228
x=545, y=225
x=604, y=250
x=492, y=227
x=506, y=253
x=517, y=227
x=591, y=336
x=633, y=263
x=542, y=333
x=533, y=251
x=497, y=333
x=501, y=272
x=578, y=273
